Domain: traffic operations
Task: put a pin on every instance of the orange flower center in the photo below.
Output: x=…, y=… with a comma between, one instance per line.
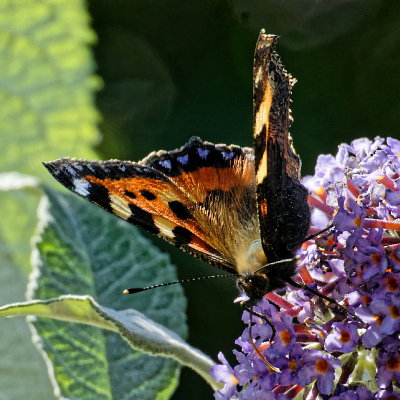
x=233, y=379
x=394, y=312
x=376, y=258
x=293, y=365
x=392, y=285
x=344, y=336
x=321, y=366
x=366, y=300
x=285, y=336
x=393, y=364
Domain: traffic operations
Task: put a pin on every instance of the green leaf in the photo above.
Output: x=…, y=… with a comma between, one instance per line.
x=83, y=250
x=46, y=101
x=46, y=84
x=46, y=111
x=139, y=331
x=19, y=358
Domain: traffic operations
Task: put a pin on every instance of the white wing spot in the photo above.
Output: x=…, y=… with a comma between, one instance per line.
x=81, y=187
x=71, y=171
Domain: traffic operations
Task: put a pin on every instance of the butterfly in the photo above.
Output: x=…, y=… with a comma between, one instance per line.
x=240, y=209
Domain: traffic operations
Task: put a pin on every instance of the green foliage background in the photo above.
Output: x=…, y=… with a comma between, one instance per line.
x=167, y=71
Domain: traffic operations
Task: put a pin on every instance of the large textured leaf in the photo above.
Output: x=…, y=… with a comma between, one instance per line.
x=84, y=250
x=20, y=361
x=139, y=331
x=46, y=110
x=46, y=100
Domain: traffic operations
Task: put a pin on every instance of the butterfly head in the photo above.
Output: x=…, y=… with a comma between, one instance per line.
x=270, y=277
x=254, y=285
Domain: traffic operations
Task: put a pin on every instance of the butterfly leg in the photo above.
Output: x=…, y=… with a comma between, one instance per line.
x=343, y=309
x=250, y=310
x=263, y=317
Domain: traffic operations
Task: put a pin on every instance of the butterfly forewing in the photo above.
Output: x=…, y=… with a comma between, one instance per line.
x=196, y=197
x=282, y=201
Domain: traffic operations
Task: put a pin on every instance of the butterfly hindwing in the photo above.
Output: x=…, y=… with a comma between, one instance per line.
x=186, y=196
x=282, y=201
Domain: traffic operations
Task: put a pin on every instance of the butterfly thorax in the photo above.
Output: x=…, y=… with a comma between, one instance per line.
x=265, y=280
x=250, y=257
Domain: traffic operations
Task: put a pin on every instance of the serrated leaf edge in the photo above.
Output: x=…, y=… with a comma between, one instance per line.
x=140, y=332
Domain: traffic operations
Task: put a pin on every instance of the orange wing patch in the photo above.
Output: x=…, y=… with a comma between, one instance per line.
x=154, y=196
x=170, y=211
x=199, y=183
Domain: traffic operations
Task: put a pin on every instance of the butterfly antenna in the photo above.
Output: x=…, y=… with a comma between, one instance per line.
x=284, y=261
x=275, y=369
x=200, y=278
x=316, y=234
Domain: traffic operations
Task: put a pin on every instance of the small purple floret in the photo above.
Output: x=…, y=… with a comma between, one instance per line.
x=343, y=338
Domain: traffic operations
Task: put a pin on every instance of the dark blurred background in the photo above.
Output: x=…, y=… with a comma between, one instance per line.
x=176, y=69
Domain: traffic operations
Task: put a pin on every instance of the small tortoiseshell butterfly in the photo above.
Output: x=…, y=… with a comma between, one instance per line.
x=239, y=209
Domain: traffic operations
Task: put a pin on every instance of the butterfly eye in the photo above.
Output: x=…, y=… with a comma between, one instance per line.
x=255, y=286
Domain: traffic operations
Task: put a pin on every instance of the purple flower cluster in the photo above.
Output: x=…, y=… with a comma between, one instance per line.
x=321, y=351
